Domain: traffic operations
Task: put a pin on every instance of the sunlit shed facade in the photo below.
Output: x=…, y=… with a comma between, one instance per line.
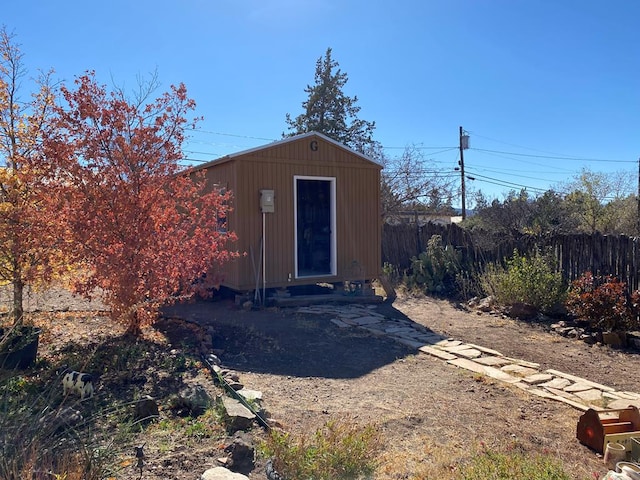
x=306, y=210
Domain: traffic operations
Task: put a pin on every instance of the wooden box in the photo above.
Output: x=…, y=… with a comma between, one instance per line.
x=596, y=428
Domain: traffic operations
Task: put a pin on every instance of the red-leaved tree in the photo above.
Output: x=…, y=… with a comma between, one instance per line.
x=144, y=231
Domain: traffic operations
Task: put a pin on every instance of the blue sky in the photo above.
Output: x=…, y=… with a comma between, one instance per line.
x=544, y=87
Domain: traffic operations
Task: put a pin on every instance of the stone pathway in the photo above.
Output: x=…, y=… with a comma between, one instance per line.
x=577, y=392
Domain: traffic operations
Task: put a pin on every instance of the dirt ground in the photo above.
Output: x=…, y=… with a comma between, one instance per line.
x=309, y=371
x=433, y=416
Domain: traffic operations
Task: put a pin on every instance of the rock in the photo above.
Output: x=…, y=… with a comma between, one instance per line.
x=235, y=385
x=146, y=409
x=195, y=399
x=614, y=339
x=574, y=333
x=565, y=331
x=271, y=472
x=213, y=359
x=241, y=453
x=251, y=395
x=633, y=339
x=221, y=473
x=486, y=304
x=542, y=318
x=239, y=417
x=522, y=311
x=231, y=376
x=66, y=417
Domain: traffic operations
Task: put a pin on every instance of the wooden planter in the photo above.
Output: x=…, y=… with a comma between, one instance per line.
x=596, y=428
x=21, y=349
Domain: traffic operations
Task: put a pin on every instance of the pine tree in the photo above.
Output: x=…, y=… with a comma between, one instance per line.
x=329, y=111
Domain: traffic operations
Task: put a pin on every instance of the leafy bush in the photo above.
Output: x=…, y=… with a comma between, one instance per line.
x=604, y=302
x=342, y=450
x=437, y=269
x=514, y=465
x=531, y=280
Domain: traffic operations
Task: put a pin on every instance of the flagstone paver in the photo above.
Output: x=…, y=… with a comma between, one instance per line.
x=552, y=384
x=578, y=379
x=340, y=323
x=469, y=353
x=436, y=352
x=485, y=350
x=559, y=383
x=493, y=361
x=577, y=387
x=537, y=378
x=592, y=395
x=629, y=395
x=519, y=370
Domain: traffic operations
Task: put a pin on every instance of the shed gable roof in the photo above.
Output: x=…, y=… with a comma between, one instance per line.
x=285, y=141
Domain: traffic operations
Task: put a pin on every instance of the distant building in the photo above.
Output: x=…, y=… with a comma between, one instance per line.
x=422, y=218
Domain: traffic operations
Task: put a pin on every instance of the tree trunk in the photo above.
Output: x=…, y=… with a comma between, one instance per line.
x=18, y=289
x=17, y=309
x=134, y=327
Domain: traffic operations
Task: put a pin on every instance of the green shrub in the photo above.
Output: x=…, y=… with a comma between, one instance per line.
x=531, y=280
x=515, y=465
x=437, y=269
x=604, y=302
x=341, y=450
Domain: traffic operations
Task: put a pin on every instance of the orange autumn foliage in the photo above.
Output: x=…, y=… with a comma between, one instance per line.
x=145, y=230
x=29, y=253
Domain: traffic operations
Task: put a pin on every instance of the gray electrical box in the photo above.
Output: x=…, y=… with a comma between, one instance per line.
x=267, y=204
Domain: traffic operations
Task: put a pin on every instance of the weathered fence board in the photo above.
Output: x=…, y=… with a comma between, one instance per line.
x=576, y=254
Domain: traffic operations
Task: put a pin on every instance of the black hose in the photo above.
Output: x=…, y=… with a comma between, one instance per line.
x=221, y=380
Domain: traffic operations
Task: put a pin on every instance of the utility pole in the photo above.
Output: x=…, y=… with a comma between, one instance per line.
x=464, y=144
x=638, y=199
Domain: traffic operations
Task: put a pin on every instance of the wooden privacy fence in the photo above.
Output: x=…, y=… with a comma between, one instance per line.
x=616, y=255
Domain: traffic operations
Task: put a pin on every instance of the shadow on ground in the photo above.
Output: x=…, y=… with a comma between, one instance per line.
x=283, y=341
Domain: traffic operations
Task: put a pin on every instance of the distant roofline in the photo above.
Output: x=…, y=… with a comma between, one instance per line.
x=282, y=142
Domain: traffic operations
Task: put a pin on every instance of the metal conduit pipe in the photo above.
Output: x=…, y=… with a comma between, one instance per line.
x=220, y=379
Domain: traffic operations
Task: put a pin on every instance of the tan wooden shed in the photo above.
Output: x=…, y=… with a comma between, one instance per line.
x=306, y=210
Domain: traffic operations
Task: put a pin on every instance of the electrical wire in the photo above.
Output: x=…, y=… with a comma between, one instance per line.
x=197, y=130
x=554, y=157
x=445, y=172
x=504, y=183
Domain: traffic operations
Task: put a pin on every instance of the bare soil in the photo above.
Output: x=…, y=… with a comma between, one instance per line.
x=433, y=416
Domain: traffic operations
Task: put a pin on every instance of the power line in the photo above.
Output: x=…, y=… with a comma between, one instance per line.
x=554, y=157
x=516, y=175
x=512, y=144
x=504, y=183
x=420, y=147
x=197, y=130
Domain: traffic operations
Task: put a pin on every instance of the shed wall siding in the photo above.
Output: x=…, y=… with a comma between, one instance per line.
x=357, y=214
